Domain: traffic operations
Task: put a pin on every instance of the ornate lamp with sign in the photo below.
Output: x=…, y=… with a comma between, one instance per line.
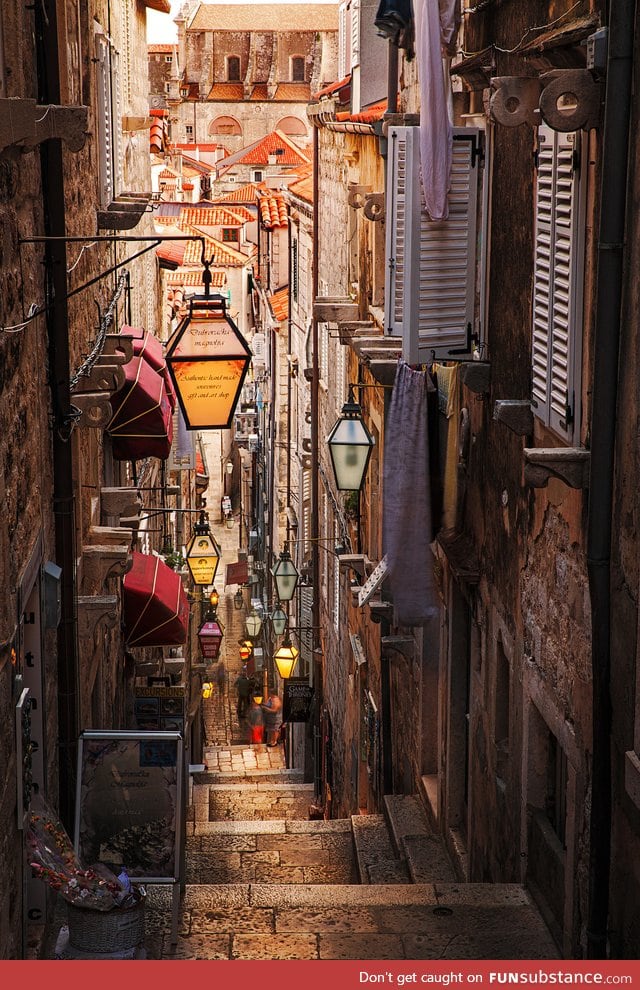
x=208, y=359
x=246, y=649
x=210, y=635
x=350, y=446
x=203, y=554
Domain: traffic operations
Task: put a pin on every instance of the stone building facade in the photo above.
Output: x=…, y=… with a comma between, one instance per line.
x=497, y=713
x=250, y=70
x=74, y=160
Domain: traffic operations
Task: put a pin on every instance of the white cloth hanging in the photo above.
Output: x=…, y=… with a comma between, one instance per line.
x=436, y=27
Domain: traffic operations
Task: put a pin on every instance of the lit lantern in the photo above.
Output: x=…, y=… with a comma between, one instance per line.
x=285, y=659
x=207, y=690
x=208, y=359
x=203, y=554
x=254, y=624
x=246, y=649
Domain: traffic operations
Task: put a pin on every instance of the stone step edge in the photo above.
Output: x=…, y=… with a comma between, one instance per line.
x=257, y=785
x=286, y=896
x=272, y=826
x=362, y=827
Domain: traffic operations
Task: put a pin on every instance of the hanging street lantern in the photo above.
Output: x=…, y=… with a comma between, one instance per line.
x=258, y=698
x=278, y=621
x=285, y=659
x=253, y=623
x=285, y=574
x=246, y=649
x=238, y=600
x=203, y=554
x=208, y=359
x=210, y=636
x=350, y=446
x=214, y=599
x=207, y=690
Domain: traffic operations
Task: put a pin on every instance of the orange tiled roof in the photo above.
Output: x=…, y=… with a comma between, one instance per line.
x=155, y=112
x=259, y=92
x=303, y=188
x=294, y=92
x=367, y=116
x=216, y=216
x=171, y=252
x=193, y=278
x=226, y=91
x=273, y=210
x=276, y=143
x=220, y=254
x=332, y=88
x=279, y=302
x=243, y=194
x=168, y=173
x=156, y=136
x=160, y=49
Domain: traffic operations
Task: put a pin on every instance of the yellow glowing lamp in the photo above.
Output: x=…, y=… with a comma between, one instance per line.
x=207, y=690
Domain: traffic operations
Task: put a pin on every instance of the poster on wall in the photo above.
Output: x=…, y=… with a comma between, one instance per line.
x=298, y=696
x=128, y=802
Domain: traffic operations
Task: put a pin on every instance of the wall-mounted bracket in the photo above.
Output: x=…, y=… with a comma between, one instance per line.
x=568, y=464
x=516, y=414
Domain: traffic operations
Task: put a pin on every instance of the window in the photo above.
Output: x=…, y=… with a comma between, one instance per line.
x=557, y=280
x=188, y=129
x=230, y=234
x=257, y=176
x=297, y=68
x=168, y=59
x=354, y=44
x=431, y=265
x=233, y=68
x=342, y=40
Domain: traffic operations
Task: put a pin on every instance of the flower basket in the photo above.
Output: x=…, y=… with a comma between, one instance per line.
x=106, y=931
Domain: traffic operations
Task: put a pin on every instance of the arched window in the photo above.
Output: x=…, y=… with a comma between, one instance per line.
x=233, y=68
x=225, y=125
x=292, y=126
x=297, y=68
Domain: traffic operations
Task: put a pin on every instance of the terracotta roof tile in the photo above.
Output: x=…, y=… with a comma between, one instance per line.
x=160, y=49
x=193, y=277
x=226, y=91
x=367, y=116
x=220, y=254
x=276, y=143
x=259, y=92
x=293, y=92
x=273, y=210
x=279, y=302
x=243, y=194
x=332, y=88
x=215, y=216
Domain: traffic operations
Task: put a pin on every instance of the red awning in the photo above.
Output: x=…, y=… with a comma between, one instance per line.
x=155, y=606
x=237, y=573
x=142, y=424
x=149, y=347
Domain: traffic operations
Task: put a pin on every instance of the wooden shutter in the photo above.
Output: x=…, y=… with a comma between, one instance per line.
x=557, y=280
x=430, y=279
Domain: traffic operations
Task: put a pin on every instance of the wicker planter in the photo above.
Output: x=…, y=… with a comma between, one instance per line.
x=106, y=931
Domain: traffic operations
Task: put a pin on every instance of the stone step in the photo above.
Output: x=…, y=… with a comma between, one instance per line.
x=252, y=799
x=414, y=840
x=392, y=921
x=258, y=853
x=375, y=855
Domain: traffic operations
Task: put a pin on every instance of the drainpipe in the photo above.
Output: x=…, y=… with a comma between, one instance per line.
x=315, y=501
x=615, y=147
x=57, y=317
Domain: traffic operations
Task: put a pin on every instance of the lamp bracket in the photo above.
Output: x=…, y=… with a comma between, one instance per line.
x=398, y=644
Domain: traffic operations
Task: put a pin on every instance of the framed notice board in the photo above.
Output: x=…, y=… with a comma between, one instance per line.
x=129, y=803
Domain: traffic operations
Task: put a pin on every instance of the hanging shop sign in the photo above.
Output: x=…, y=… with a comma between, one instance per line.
x=297, y=700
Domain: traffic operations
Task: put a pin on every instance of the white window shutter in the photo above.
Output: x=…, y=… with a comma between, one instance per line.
x=355, y=33
x=557, y=287
x=104, y=121
x=431, y=278
x=342, y=41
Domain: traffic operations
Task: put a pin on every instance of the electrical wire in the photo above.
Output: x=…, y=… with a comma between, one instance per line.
x=531, y=30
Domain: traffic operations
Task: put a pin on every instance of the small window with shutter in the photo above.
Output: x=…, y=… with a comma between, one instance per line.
x=557, y=281
x=430, y=284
